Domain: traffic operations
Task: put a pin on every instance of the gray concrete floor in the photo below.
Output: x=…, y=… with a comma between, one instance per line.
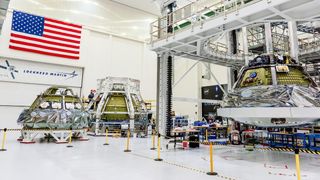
x=93, y=161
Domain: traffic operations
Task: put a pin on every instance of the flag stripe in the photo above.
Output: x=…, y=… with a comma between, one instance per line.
x=61, y=33
x=43, y=52
x=62, y=22
x=59, y=30
x=66, y=37
x=44, y=44
x=44, y=41
x=43, y=47
x=62, y=28
x=65, y=26
x=60, y=38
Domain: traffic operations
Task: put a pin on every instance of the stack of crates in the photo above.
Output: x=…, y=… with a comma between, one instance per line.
x=298, y=140
x=280, y=140
x=301, y=141
x=314, y=142
x=181, y=121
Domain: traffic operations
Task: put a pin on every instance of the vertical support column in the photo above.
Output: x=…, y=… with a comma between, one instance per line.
x=228, y=42
x=268, y=36
x=245, y=45
x=231, y=39
x=158, y=93
x=170, y=8
x=293, y=40
x=199, y=105
x=231, y=79
x=161, y=94
x=199, y=70
x=169, y=95
x=160, y=32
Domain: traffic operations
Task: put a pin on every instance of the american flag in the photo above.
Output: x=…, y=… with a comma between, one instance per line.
x=45, y=36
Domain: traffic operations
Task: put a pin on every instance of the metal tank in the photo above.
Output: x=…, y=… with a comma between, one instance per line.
x=273, y=92
x=118, y=106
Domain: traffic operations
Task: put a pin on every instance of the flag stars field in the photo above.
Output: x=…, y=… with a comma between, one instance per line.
x=45, y=36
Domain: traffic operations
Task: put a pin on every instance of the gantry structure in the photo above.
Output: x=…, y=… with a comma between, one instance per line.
x=230, y=33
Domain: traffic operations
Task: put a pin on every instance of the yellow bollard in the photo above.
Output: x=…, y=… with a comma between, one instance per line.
x=128, y=141
x=297, y=163
x=4, y=139
x=158, y=158
x=106, y=137
x=211, y=173
x=153, y=141
x=70, y=139
x=206, y=135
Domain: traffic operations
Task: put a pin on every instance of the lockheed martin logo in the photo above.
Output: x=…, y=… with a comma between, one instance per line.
x=65, y=75
x=72, y=75
x=11, y=69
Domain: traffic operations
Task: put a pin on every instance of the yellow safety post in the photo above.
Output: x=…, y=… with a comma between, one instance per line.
x=158, y=158
x=153, y=141
x=297, y=163
x=106, y=137
x=70, y=139
x=128, y=142
x=206, y=135
x=211, y=173
x=4, y=139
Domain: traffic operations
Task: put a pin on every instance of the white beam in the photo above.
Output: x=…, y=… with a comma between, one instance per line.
x=245, y=45
x=293, y=40
x=186, y=99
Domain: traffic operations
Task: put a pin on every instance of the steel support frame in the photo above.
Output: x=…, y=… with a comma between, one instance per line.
x=105, y=87
x=61, y=136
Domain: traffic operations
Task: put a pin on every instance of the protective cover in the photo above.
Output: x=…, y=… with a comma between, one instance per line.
x=56, y=108
x=273, y=85
x=273, y=96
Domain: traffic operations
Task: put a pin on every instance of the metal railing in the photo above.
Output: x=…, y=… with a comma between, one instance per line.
x=192, y=15
x=309, y=43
